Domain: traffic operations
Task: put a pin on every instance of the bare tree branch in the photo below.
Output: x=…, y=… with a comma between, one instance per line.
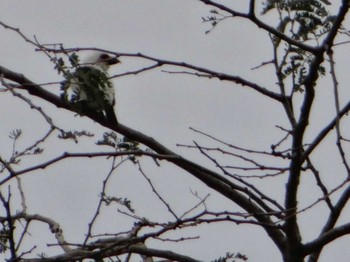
x=65, y=155
x=251, y=17
x=255, y=206
x=210, y=178
x=326, y=238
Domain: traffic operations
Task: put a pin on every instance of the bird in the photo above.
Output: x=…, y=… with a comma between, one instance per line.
x=90, y=88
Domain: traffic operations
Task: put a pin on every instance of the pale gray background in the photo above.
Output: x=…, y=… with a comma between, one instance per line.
x=160, y=105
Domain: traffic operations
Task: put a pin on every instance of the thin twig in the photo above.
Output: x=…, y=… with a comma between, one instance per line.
x=77, y=155
x=103, y=193
x=259, y=199
x=337, y=107
x=156, y=192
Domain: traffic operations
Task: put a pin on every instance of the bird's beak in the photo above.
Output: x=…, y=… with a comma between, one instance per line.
x=113, y=61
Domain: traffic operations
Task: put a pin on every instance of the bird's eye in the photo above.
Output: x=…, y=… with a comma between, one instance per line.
x=104, y=56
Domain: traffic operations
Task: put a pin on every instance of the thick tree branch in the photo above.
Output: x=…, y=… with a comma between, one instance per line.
x=9, y=232
x=210, y=178
x=136, y=249
x=288, y=238
x=329, y=40
x=35, y=89
x=315, y=247
x=326, y=238
x=327, y=45
x=291, y=226
x=55, y=228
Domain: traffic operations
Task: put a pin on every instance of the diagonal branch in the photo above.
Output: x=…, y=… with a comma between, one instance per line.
x=198, y=71
x=259, y=197
x=292, y=186
x=208, y=177
x=158, y=63
x=252, y=17
x=329, y=40
x=325, y=131
x=316, y=247
x=326, y=238
x=65, y=155
x=55, y=228
x=337, y=107
x=9, y=233
x=102, y=197
x=291, y=203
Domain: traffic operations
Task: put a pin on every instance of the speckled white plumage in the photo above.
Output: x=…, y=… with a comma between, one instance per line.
x=90, y=83
x=94, y=61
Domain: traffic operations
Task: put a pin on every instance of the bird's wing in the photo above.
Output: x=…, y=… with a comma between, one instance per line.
x=89, y=84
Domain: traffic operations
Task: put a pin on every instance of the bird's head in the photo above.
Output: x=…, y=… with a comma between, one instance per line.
x=101, y=60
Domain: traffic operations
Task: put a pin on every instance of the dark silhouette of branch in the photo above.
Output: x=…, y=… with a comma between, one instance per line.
x=259, y=197
x=325, y=238
x=332, y=220
x=255, y=203
x=136, y=249
x=252, y=17
x=55, y=228
x=291, y=226
x=337, y=107
x=10, y=224
x=198, y=71
x=156, y=192
x=65, y=155
x=208, y=177
x=118, y=245
x=320, y=184
x=325, y=131
x=103, y=193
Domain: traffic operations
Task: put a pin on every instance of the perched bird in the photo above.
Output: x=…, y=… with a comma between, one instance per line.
x=90, y=88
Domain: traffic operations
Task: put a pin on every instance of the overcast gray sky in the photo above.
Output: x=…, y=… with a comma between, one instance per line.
x=159, y=104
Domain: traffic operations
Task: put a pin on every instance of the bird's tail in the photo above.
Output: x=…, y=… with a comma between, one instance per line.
x=110, y=115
